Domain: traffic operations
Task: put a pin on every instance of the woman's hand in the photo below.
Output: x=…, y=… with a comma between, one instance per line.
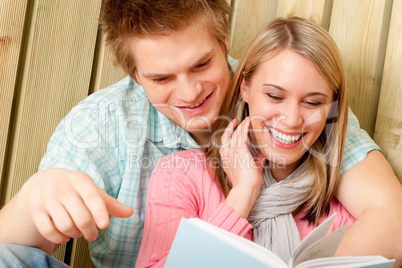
x=244, y=172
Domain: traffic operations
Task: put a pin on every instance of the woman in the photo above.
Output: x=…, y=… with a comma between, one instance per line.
x=289, y=93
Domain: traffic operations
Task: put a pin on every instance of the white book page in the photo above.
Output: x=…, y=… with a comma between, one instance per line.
x=347, y=262
x=253, y=249
x=319, y=232
x=324, y=247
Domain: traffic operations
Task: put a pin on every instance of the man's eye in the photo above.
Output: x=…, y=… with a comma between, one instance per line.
x=159, y=80
x=208, y=62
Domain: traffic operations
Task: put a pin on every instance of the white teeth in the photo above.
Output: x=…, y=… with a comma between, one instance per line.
x=198, y=104
x=283, y=138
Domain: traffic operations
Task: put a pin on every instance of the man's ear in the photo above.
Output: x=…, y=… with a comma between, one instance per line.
x=244, y=90
x=136, y=77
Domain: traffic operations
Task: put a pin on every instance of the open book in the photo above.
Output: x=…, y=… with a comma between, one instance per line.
x=200, y=244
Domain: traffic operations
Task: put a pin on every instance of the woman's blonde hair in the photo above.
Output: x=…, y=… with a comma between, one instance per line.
x=324, y=157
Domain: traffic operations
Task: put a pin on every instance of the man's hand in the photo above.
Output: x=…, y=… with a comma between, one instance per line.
x=57, y=204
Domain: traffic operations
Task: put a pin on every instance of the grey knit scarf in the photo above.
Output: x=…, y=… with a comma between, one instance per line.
x=271, y=216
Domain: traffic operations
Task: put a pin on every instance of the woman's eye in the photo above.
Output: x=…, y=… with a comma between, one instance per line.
x=275, y=97
x=313, y=103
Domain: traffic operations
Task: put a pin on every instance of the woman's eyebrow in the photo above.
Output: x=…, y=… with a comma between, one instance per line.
x=275, y=86
x=308, y=94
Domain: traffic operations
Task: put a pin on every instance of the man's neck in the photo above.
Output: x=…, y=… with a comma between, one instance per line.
x=202, y=138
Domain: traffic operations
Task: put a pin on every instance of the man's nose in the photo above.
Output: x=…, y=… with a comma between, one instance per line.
x=188, y=89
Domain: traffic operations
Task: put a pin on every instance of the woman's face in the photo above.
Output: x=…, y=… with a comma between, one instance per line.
x=288, y=102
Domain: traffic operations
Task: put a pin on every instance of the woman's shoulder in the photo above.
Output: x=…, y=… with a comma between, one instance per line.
x=183, y=159
x=189, y=154
x=343, y=217
x=187, y=162
x=185, y=170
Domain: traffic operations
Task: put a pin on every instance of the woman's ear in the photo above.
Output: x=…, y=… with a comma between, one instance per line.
x=244, y=90
x=227, y=41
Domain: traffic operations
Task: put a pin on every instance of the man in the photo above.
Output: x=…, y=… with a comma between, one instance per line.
x=101, y=156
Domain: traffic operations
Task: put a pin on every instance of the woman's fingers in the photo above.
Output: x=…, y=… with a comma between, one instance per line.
x=227, y=135
x=259, y=161
x=240, y=135
x=243, y=131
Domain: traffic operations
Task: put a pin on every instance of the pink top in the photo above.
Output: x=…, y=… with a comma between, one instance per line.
x=181, y=185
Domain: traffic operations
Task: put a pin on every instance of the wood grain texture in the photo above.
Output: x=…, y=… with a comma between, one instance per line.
x=106, y=69
x=360, y=29
x=388, y=130
x=248, y=18
x=56, y=72
x=11, y=35
x=318, y=11
x=80, y=257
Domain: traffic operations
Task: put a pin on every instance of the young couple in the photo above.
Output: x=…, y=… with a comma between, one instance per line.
x=99, y=164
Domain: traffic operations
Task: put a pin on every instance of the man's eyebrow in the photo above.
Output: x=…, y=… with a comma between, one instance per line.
x=162, y=75
x=155, y=76
x=308, y=94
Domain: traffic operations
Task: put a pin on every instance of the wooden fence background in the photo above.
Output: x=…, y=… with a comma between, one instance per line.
x=52, y=56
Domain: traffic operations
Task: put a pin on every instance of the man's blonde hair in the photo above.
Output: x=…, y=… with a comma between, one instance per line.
x=124, y=20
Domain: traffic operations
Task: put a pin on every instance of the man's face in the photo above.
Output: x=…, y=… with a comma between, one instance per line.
x=185, y=75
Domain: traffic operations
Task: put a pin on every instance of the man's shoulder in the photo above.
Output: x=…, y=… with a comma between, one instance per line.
x=124, y=98
x=121, y=104
x=233, y=63
x=124, y=90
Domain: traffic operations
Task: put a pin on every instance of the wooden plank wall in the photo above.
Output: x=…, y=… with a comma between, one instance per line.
x=52, y=56
x=388, y=129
